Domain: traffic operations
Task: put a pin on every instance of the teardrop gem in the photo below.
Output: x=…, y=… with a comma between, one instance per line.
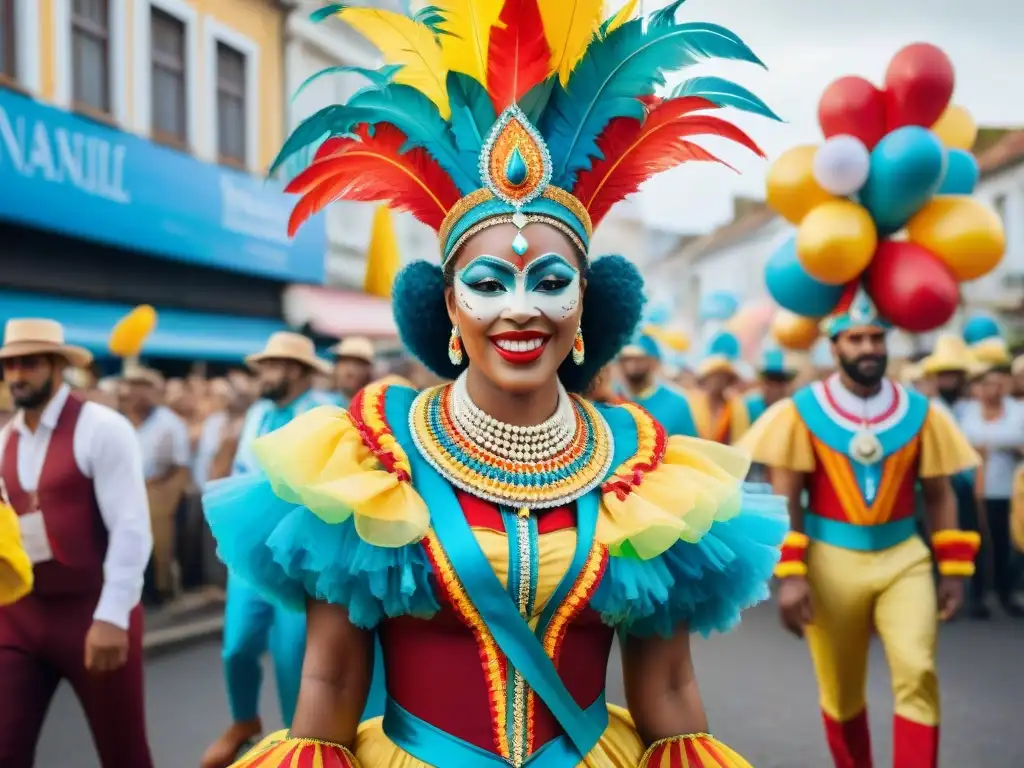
x=516, y=171
x=520, y=245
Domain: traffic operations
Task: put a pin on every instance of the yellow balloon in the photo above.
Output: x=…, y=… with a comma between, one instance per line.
x=132, y=330
x=835, y=242
x=966, y=234
x=956, y=128
x=792, y=191
x=794, y=332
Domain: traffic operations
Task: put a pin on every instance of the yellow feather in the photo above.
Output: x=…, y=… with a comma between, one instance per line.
x=625, y=13
x=467, y=37
x=570, y=26
x=408, y=43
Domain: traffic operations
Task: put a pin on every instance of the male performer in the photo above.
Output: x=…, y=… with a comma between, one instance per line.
x=353, y=366
x=775, y=378
x=641, y=364
x=858, y=443
x=718, y=413
x=72, y=471
x=285, y=369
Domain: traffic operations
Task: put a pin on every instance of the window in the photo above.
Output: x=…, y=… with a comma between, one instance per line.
x=8, y=45
x=232, y=131
x=90, y=45
x=169, y=101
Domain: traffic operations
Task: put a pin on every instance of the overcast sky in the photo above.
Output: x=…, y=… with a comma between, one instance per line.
x=809, y=43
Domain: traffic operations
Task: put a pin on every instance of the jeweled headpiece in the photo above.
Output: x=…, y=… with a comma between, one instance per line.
x=854, y=310
x=495, y=111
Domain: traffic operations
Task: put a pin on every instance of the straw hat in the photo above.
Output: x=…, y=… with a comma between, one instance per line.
x=138, y=374
x=355, y=348
x=24, y=337
x=284, y=345
x=950, y=355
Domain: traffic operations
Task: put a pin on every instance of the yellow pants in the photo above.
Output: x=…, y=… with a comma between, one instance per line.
x=890, y=592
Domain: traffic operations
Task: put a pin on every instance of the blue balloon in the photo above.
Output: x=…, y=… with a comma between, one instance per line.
x=980, y=327
x=795, y=290
x=719, y=305
x=907, y=167
x=962, y=173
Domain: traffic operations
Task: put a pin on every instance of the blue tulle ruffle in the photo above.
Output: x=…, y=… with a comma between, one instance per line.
x=707, y=584
x=286, y=552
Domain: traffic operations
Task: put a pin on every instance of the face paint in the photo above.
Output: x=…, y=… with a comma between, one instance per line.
x=489, y=288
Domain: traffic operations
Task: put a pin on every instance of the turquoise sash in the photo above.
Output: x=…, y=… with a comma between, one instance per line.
x=860, y=538
x=436, y=747
x=512, y=634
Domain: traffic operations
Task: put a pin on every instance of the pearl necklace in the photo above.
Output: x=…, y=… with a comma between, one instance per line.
x=530, y=444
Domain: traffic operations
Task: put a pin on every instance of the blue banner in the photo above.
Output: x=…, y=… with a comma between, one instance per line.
x=62, y=172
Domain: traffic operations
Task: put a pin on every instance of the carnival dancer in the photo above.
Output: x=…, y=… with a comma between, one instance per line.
x=858, y=443
x=719, y=414
x=640, y=363
x=252, y=625
x=497, y=531
x=72, y=471
x=15, y=567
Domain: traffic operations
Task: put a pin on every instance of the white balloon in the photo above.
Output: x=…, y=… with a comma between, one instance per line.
x=841, y=165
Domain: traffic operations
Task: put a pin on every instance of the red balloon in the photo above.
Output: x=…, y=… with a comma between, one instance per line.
x=853, y=106
x=918, y=85
x=911, y=286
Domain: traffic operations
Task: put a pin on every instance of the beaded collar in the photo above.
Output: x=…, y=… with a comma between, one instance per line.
x=540, y=467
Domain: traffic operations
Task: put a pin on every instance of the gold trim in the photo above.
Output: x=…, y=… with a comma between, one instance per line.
x=482, y=195
x=506, y=218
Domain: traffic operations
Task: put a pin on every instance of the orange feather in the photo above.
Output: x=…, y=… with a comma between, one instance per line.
x=371, y=169
x=634, y=151
x=519, y=56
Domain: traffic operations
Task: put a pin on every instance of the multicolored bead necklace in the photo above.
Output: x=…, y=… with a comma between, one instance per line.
x=537, y=467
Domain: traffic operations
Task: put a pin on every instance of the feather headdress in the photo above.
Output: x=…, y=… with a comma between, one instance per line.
x=493, y=111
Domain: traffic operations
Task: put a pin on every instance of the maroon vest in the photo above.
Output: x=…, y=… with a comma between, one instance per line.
x=77, y=534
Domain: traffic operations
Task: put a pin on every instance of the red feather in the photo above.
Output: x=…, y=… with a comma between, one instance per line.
x=371, y=169
x=518, y=56
x=634, y=151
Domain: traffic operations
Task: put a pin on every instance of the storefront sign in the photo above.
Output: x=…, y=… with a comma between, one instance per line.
x=63, y=172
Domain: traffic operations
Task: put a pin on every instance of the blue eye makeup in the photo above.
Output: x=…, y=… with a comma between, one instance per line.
x=488, y=287
x=489, y=275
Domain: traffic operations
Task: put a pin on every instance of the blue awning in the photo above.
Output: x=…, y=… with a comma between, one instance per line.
x=178, y=334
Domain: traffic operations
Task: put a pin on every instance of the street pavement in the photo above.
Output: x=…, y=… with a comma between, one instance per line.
x=756, y=682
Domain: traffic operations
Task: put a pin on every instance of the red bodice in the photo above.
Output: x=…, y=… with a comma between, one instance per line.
x=442, y=671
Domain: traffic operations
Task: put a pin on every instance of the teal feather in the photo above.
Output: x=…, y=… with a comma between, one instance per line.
x=612, y=77
x=666, y=15
x=378, y=78
x=537, y=99
x=430, y=16
x=472, y=118
x=417, y=117
x=327, y=11
x=335, y=120
x=724, y=93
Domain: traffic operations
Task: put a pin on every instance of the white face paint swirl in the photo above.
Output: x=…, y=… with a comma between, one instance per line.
x=489, y=288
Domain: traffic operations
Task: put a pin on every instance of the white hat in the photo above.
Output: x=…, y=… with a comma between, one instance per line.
x=285, y=345
x=25, y=337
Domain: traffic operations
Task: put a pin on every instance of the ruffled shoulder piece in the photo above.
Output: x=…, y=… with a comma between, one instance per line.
x=780, y=439
x=341, y=463
x=691, y=543
x=335, y=517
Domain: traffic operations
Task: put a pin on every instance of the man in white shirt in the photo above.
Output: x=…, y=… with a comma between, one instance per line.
x=166, y=461
x=72, y=471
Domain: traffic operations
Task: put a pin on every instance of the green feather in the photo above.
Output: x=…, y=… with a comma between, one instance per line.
x=378, y=78
x=472, y=116
x=724, y=93
x=327, y=11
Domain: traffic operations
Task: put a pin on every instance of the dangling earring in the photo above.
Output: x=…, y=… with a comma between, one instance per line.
x=577, y=348
x=455, y=347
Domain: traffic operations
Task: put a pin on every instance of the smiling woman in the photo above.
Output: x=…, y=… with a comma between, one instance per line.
x=496, y=533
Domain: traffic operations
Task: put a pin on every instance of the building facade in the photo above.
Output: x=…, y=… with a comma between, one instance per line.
x=133, y=138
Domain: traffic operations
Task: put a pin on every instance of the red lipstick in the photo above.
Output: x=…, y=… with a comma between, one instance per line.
x=520, y=347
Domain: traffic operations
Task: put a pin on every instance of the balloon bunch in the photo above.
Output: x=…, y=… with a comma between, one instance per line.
x=886, y=199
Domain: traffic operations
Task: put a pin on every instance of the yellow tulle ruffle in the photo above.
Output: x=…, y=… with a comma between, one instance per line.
x=944, y=449
x=320, y=460
x=647, y=506
x=15, y=567
x=780, y=439
x=619, y=747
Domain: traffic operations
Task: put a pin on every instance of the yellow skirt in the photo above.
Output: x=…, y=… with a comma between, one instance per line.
x=619, y=747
